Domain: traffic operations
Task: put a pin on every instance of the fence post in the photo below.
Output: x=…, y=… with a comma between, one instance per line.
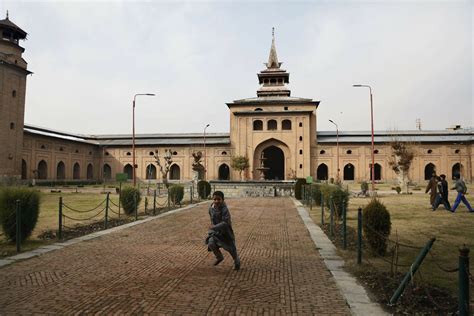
x=120, y=195
x=344, y=225
x=359, y=235
x=464, y=281
x=18, y=225
x=413, y=268
x=146, y=205
x=60, y=230
x=106, y=211
x=154, y=202
x=310, y=197
x=168, y=189
x=331, y=218
x=135, y=205
x=322, y=209
x=191, y=193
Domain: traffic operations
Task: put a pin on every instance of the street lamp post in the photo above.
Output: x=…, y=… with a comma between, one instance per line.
x=205, y=161
x=337, y=150
x=133, y=135
x=372, y=130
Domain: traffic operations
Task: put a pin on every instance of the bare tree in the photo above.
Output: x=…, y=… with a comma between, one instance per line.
x=402, y=157
x=164, y=170
x=240, y=163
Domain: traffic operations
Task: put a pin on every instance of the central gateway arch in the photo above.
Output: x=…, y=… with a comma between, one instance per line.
x=276, y=162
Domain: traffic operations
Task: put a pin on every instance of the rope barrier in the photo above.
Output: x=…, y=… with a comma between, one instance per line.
x=395, y=242
x=83, y=219
x=429, y=296
x=90, y=210
x=112, y=202
x=440, y=267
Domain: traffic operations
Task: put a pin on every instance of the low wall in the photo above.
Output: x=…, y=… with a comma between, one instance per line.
x=254, y=188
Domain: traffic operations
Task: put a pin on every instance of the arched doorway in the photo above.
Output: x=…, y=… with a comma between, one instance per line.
x=90, y=172
x=429, y=170
x=107, y=172
x=456, y=170
x=24, y=170
x=42, y=170
x=128, y=170
x=175, y=172
x=61, y=171
x=377, y=172
x=349, y=171
x=224, y=172
x=322, y=172
x=150, y=172
x=275, y=162
x=76, y=171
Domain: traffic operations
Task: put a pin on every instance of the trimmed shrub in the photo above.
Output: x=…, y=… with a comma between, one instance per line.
x=204, y=189
x=29, y=206
x=338, y=196
x=364, y=187
x=298, y=188
x=316, y=192
x=128, y=197
x=398, y=189
x=377, y=226
x=176, y=193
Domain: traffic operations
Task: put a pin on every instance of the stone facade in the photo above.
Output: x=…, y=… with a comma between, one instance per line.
x=275, y=131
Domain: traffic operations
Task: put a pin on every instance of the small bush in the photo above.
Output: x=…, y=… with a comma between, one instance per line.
x=316, y=193
x=377, y=226
x=398, y=189
x=364, y=187
x=204, y=189
x=176, y=193
x=338, y=196
x=128, y=197
x=29, y=206
x=298, y=188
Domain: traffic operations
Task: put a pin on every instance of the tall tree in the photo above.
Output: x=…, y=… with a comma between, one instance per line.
x=240, y=163
x=402, y=157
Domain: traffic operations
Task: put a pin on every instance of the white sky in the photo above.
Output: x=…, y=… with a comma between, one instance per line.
x=90, y=58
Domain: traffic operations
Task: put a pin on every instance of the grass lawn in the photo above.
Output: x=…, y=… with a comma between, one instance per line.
x=49, y=215
x=415, y=223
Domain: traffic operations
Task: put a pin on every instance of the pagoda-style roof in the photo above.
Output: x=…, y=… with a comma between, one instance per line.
x=7, y=24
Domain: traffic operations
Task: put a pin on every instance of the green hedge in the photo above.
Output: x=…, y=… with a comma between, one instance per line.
x=128, y=201
x=337, y=195
x=29, y=206
x=204, y=189
x=176, y=193
x=377, y=226
x=298, y=188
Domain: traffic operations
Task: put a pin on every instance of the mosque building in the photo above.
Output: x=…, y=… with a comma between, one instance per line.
x=277, y=132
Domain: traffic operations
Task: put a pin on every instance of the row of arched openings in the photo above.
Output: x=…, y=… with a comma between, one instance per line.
x=348, y=172
x=174, y=173
x=272, y=125
x=430, y=169
x=42, y=171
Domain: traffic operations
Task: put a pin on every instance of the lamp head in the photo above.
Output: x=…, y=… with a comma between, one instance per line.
x=357, y=85
x=150, y=94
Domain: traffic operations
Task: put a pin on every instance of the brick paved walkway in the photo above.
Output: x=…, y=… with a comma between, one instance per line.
x=162, y=267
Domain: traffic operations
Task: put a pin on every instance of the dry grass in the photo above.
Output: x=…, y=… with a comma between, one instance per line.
x=415, y=223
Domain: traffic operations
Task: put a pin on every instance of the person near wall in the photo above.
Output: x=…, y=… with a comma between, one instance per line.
x=221, y=234
x=432, y=187
x=442, y=196
x=461, y=189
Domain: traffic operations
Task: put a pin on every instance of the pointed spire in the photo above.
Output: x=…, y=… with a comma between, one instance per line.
x=273, y=59
x=7, y=14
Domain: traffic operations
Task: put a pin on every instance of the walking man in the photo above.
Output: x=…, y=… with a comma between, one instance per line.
x=442, y=196
x=461, y=188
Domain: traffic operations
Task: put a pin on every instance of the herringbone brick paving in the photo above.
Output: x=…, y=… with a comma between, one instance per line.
x=163, y=267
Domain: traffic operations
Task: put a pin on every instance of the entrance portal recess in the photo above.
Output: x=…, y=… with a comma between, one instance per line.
x=275, y=161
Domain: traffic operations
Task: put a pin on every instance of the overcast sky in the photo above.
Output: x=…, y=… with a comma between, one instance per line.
x=90, y=58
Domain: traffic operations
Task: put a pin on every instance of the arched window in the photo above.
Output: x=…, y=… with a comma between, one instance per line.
x=107, y=172
x=457, y=170
x=60, y=171
x=286, y=125
x=128, y=170
x=322, y=152
x=349, y=152
x=224, y=173
x=24, y=170
x=322, y=172
x=76, y=171
x=257, y=125
x=150, y=172
x=271, y=125
x=429, y=170
x=175, y=172
x=42, y=170
x=349, y=172
x=258, y=109
x=90, y=172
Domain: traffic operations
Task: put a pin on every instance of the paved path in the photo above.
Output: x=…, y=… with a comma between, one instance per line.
x=163, y=267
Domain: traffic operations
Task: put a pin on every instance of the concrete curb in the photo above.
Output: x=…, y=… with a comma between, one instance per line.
x=59, y=245
x=355, y=295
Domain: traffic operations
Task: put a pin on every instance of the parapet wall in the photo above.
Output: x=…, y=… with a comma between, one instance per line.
x=233, y=189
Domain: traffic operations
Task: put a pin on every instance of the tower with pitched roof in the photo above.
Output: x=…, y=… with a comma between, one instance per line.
x=13, y=72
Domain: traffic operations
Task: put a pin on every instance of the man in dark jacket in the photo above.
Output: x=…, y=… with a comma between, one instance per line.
x=442, y=196
x=221, y=234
